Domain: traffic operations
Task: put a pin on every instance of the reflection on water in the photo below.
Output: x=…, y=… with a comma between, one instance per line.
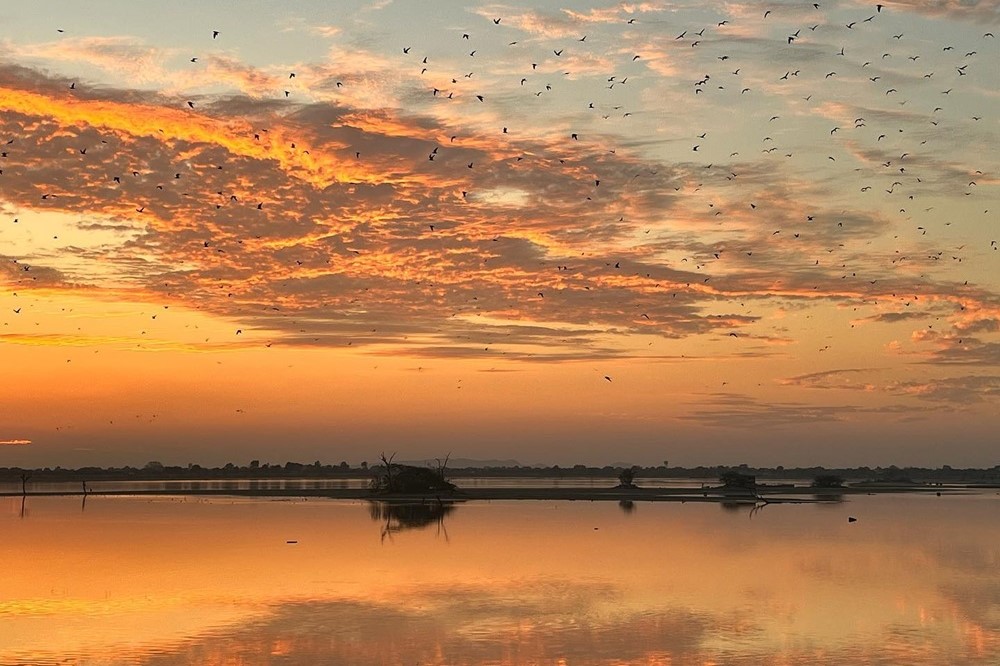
x=401, y=516
x=226, y=581
x=8, y=486
x=470, y=626
x=179, y=485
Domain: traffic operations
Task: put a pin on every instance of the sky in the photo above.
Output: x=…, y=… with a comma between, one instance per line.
x=695, y=232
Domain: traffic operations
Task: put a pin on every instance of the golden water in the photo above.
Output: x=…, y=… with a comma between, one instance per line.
x=916, y=580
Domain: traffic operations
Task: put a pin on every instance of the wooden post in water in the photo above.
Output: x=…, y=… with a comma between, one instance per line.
x=24, y=483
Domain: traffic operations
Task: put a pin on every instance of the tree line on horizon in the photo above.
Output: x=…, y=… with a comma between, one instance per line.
x=255, y=469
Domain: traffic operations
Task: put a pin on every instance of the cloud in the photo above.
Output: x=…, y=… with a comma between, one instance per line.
x=833, y=379
x=953, y=350
x=734, y=411
x=986, y=11
x=15, y=442
x=965, y=390
x=134, y=343
x=960, y=390
x=232, y=73
x=122, y=56
x=375, y=213
x=544, y=24
x=164, y=124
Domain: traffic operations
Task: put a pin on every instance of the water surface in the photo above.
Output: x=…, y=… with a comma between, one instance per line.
x=215, y=581
x=176, y=485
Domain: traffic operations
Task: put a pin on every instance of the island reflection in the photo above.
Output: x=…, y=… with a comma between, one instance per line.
x=401, y=516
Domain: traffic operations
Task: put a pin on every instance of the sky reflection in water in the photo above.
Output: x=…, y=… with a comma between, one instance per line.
x=134, y=581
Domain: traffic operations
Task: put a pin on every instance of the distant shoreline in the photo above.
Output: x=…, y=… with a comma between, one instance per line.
x=772, y=494
x=255, y=471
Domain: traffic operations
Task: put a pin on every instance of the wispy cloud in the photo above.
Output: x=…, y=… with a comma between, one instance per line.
x=734, y=411
x=987, y=11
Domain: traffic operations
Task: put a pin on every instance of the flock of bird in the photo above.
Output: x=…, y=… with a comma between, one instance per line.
x=594, y=170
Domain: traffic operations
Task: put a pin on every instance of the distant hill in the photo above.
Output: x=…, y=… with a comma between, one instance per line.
x=461, y=463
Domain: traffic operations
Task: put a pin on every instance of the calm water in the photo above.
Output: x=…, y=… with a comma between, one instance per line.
x=167, y=581
x=13, y=486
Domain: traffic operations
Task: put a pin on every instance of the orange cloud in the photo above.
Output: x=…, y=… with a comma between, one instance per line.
x=236, y=136
x=15, y=442
x=397, y=243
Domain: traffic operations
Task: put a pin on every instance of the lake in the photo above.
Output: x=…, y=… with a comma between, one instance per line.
x=13, y=486
x=127, y=580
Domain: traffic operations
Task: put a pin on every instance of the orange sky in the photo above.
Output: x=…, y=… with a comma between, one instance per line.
x=696, y=234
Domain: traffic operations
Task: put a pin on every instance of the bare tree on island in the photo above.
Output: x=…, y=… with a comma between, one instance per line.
x=388, y=470
x=626, y=478
x=408, y=479
x=441, y=466
x=24, y=482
